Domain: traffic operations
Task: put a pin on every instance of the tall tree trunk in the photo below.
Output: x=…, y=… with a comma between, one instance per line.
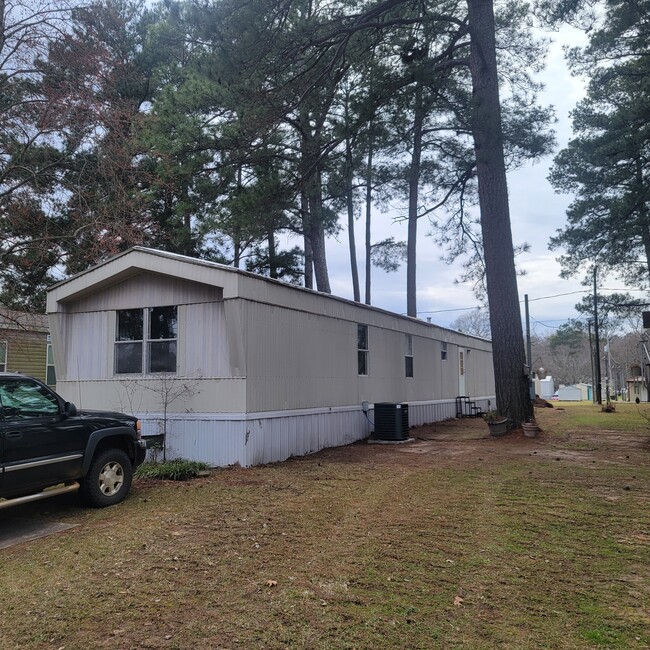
x=2, y=24
x=646, y=246
x=414, y=186
x=350, y=205
x=368, y=216
x=236, y=234
x=187, y=225
x=236, y=245
x=273, y=259
x=317, y=235
x=312, y=188
x=643, y=212
x=306, y=237
x=509, y=355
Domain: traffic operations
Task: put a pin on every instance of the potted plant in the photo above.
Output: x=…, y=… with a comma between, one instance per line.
x=530, y=428
x=497, y=423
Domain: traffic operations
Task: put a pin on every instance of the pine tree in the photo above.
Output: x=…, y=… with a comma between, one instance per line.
x=605, y=163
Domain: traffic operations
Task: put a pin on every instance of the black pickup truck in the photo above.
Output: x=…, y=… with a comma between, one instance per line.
x=47, y=447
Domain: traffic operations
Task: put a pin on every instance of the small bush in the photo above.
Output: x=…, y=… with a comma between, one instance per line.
x=171, y=470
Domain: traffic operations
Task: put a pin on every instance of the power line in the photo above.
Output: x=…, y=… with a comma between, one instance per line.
x=442, y=311
x=555, y=295
x=558, y=295
x=624, y=289
x=551, y=327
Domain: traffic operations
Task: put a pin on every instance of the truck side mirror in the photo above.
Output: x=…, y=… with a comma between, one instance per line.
x=69, y=409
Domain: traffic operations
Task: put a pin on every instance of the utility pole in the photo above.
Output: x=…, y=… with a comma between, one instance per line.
x=591, y=359
x=599, y=394
x=608, y=370
x=529, y=352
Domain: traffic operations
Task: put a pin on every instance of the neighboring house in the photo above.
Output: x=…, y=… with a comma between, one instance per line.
x=25, y=345
x=571, y=393
x=239, y=368
x=636, y=387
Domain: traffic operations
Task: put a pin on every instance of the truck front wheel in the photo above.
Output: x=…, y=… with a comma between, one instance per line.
x=108, y=480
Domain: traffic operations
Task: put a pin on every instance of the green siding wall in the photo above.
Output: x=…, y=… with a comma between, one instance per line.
x=26, y=352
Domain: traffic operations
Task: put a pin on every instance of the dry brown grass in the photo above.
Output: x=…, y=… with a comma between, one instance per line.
x=454, y=540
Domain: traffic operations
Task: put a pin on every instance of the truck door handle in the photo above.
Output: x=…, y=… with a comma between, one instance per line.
x=13, y=434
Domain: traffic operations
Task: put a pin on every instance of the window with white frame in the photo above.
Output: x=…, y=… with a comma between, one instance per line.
x=50, y=373
x=3, y=356
x=145, y=340
x=443, y=351
x=362, y=349
x=408, y=357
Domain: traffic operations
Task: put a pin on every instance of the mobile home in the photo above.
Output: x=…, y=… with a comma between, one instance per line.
x=239, y=368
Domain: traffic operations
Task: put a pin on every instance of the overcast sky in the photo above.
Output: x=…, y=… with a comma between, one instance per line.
x=536, y=213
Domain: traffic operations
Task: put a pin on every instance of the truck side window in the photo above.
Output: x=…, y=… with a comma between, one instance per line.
x=23, y=399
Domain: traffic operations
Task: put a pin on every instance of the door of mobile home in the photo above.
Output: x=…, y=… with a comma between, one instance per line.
x=461, y=371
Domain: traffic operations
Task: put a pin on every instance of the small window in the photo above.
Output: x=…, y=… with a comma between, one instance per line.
x=443, y=351
x=159, y=353
x=461, y=363
x=3, y=356
x=163, y=329
x=362, y=349
x=50, y=373
x=128, y=341
x=408, y=357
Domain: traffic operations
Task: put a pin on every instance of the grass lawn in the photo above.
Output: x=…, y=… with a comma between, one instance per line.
x=454, y=540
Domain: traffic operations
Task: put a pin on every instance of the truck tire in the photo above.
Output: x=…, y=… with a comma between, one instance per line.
x=108, y=480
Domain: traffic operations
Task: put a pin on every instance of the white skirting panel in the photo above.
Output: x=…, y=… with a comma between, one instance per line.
x=222, y=439
x=439, y=410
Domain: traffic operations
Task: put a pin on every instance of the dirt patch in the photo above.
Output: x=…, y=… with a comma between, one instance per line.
x=468, y=440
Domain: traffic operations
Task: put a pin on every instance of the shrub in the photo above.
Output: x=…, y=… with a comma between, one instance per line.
x=172, y=470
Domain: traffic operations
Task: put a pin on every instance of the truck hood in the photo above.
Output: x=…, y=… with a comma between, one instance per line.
x=106, y=415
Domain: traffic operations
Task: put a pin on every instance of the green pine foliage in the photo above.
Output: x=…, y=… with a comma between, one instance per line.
x=605, y=163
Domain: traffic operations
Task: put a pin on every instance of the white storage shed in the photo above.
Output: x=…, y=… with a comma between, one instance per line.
x=570, y=393
x=240, y=368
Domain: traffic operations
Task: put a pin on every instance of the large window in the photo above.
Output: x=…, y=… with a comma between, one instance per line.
x=145, y=340
x=362, y=349
x=3, y=356
x=408, y=357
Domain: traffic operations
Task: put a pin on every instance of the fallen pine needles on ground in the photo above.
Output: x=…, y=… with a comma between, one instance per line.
x=455, y=540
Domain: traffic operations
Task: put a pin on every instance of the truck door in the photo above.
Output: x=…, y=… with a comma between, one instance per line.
x=40, y=446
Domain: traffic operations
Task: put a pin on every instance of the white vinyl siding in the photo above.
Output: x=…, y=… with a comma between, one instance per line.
x=203, y=349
